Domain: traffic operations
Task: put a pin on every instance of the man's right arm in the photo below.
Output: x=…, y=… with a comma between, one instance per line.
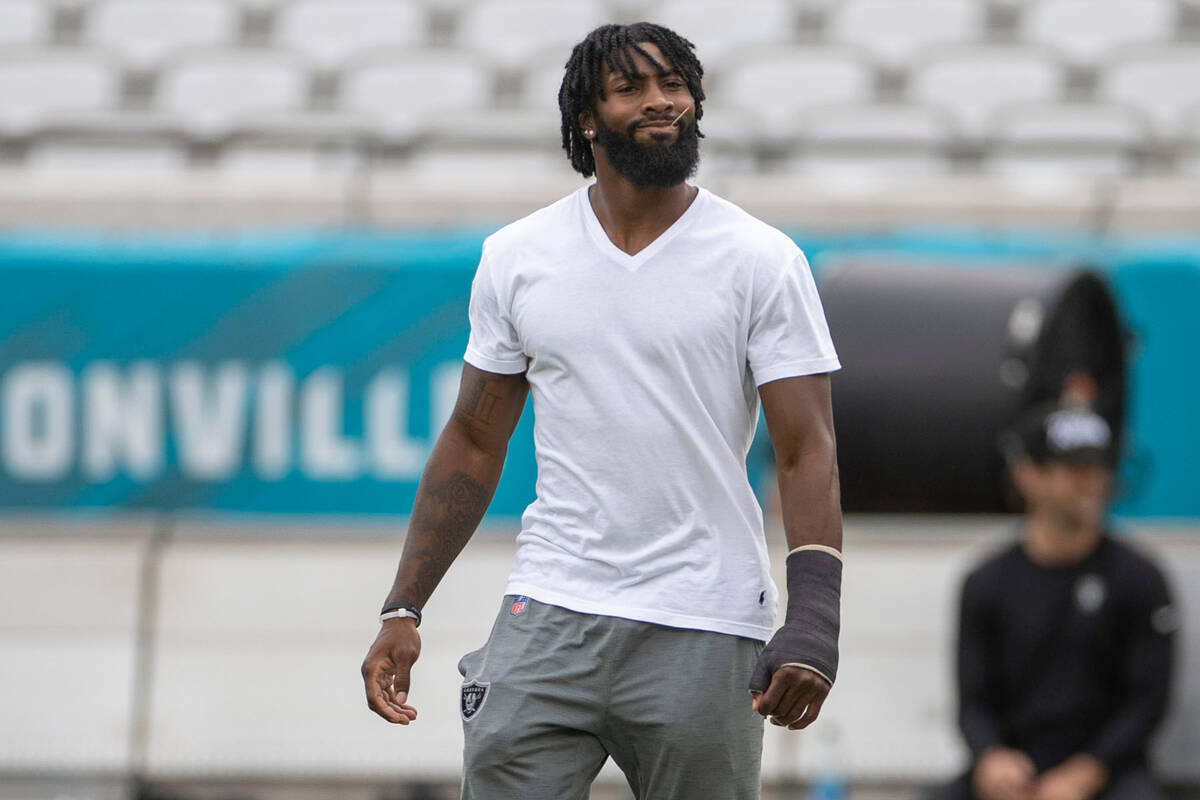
x=455, y=489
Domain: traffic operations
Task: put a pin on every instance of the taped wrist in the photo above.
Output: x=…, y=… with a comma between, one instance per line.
x=809, y=636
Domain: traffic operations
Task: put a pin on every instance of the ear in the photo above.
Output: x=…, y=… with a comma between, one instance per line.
x=587, y=124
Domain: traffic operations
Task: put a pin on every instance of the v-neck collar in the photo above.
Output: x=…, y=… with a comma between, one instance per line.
x=632, y=262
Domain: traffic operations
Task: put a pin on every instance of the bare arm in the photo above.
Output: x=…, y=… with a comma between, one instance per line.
x=455, y=490
x=800, y=421
x=799, y=416
x=459, y=480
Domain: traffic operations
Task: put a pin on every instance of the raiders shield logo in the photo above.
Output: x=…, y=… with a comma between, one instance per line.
x=474, y=693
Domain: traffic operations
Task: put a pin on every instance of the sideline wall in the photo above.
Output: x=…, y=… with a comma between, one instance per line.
x=256, y=633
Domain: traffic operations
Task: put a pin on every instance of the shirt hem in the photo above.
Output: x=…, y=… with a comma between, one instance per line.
x=653, y=616
x=491, y=365
x=792, y=369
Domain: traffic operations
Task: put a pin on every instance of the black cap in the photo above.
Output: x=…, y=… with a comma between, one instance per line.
x=1068, y=433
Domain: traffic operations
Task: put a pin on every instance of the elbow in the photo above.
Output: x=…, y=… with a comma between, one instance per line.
x=464, y=438
x=815, y=450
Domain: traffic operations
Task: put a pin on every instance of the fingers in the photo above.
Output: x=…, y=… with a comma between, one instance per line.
x=386, y=684
x=383, y=695
x=385, y=672
x=793, y=699
x=809, y=716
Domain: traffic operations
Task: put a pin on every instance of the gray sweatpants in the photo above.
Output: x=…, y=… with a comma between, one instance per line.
x=554, y=693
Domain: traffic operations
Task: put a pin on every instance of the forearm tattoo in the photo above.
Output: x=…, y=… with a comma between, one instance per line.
x=444, y=518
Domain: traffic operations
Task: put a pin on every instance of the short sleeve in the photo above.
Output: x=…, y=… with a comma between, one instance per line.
x=493, y=344
x=788, y=332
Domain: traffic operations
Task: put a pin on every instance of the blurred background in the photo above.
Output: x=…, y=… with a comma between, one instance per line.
x=236, y=244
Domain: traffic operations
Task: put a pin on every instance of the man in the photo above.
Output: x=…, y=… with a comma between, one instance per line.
x=1065, y=643
x=647, y=317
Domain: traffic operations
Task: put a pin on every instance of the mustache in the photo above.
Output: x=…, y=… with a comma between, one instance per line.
x=670, y=119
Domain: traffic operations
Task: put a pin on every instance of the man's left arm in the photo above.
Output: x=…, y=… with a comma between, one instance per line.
x=1145, y=674
x=798, y=666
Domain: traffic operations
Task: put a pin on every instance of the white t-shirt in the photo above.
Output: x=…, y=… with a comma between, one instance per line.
x=644, y=372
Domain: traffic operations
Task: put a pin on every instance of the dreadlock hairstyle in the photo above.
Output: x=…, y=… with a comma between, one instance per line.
x=614, y=46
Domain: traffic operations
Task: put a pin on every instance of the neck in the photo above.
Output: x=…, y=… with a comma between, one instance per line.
x=634, y=216
x=1049, y=543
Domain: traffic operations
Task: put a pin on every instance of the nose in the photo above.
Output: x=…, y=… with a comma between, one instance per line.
x=657, y=101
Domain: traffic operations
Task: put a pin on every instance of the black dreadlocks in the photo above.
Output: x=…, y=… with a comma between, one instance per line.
x=613, y=46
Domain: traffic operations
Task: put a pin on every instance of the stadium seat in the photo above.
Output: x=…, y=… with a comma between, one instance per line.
x=24, y=22
x=509, y=32
x=894, y=32
x=405, y=93
x=145, y=32
x=329, y=31
x=973, y=82
x=844, y=143
x=1086, y=30
x=720, y=27
x=209, y=92
x=36, y=87
x=773, y=89
x=1162, y=82
x=109, y=159
x=1078, y=139
x=889, y=125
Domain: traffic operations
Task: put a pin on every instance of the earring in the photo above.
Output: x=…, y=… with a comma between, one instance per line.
x=588, y=133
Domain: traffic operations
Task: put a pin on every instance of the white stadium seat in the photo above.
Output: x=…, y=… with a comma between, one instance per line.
x=211, y=91
x=24, y=22
x=853, y=143
x=1086, y=30
x=897, y=125
x=893, y=31
x=36, y=87
x=404, y=93
x=510, y=32
x=144, y=32
x=773, y=88
x=329, y=31
x=131, y=158
x=719, y=27
x=1162, y=82
x=974, y=82
x=1072, y=138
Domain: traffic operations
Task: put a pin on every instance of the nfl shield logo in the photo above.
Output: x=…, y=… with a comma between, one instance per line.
x=518, y=606
x=474, y=693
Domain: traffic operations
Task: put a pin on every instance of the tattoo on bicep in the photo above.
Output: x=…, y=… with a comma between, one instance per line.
x=477, y=403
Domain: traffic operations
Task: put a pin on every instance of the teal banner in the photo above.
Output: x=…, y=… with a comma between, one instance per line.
x=309, y=373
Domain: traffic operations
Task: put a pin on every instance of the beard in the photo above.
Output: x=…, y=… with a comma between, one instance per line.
x=658, y=164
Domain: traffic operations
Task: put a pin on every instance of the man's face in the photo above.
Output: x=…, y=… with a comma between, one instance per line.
x=1076, y=495
x=633, y=123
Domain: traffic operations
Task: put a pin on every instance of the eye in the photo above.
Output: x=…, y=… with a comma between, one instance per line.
x=626, y=89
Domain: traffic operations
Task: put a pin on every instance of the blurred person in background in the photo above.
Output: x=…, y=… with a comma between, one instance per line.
x=1066, y=638
x=648, y=317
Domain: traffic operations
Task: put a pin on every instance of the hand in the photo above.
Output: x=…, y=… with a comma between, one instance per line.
x=1004, y=774
x=386, y=668
x=1080, y=777
x=793, y=699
